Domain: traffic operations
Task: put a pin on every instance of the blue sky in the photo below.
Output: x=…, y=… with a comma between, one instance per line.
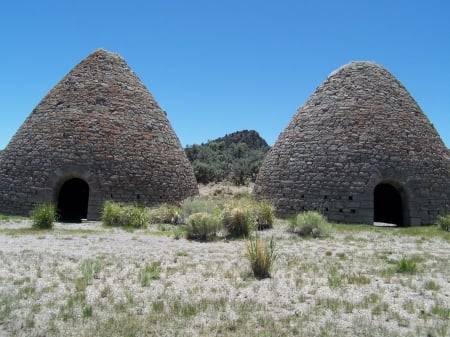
x=221, y=66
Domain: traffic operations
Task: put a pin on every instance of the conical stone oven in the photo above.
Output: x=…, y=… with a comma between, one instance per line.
x=97, y=135
x=359, y=150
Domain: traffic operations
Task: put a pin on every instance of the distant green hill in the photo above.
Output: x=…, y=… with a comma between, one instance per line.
x=236, y=157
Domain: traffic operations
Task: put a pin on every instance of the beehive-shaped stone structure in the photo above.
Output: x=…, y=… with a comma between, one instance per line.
x=97, y=135
x=360, y=150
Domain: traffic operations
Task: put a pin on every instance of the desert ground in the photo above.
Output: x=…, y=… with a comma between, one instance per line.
x=89, y=280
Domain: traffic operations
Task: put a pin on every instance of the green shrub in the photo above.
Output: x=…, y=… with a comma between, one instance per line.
x=202, y=227
x=167, y=214
x=120, y=215
x=43, y=216
x=237, y=221
x=264, y=214
x=261, y=255
x=443, y=221
x=309, y=223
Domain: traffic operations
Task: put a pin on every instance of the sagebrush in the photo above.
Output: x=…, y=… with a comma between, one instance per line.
x=43, y=216
x=237, y=221
x=166, y=214
x=202, y=227
x=309, y=223
x=123, y=215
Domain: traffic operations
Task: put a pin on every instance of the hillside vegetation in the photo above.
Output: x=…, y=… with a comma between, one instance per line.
x=236, y=157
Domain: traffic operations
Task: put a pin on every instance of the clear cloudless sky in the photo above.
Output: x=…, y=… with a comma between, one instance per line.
x=218, y=66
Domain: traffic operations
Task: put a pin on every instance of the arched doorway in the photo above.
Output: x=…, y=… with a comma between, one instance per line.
x=388, y=204
x=73, y=198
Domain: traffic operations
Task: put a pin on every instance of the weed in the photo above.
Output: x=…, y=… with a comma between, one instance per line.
x=90, y=270
x=67, y=312
x=406, y=266
x=43, y=216
x=379, y=308
x=158, y=306
x=370, y=299
x=261, y=255
x=182, y=253
x=335, y=278
x=106, y=290
x=80, y=284
x=409, y=306
x=177, y=232
x=87, y=311
x=6, y=306
x=358, y=279
x=150, y=272
x=183, y=309
x=129, y=296
x=442, y=312
x=431, y=285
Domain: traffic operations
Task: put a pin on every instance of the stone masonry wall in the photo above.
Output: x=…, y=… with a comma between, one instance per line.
x=359, y=128
x=100, y=124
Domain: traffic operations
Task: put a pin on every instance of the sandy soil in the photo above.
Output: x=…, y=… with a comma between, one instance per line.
x=344, y=285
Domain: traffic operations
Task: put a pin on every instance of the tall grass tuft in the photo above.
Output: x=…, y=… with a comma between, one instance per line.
x=202, y=227
x=309, y=223
x=261, y=255
x=237, y=222
x=90, y=270
x=119, y=215
x=43, y=216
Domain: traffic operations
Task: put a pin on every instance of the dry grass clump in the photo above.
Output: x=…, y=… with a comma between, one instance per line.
x=166, y=214
x=237, y=221
x=262, y=212
x=261, y=255
x=202, y=227
x=309, y=223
